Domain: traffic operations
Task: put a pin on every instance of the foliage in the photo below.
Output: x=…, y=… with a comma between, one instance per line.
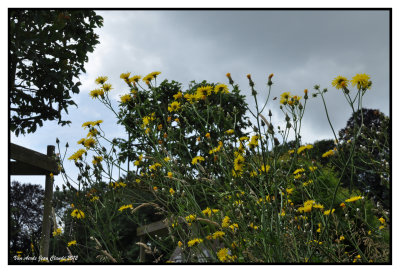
x=47, y=52
x=26, y=210
x=372, y=154
x=226, y=194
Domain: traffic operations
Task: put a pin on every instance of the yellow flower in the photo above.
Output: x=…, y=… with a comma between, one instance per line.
x=225, y=221
x=180, y=244
x=341, y=238
x=353, y=199
x=97, y=122
x=57, y=232
x=89, y=143
x=78, y=214
x=125, y=76
x=253, y=142
x=190, y=218
x=238, y=162
x=171, y=191
x=124, y=207
x=77, y=155
x=97, y=159
x=155, y=188
x=203, y=91
x=362, y=81
x=234, y=227
x=265, y=168
x=87, y=124
x=299, y=171
x=96, y=93
x=312, y=169
x=217, y=149
x=107, y=87
x=223, y=88
x=285, y=98
x=253, y=226
x=302, y=148
x=194, y=242
x=218, y=234
x=340, y=82
x=92, y=133
x=101, y=79
x=169, y=174
x=230, y=131
x=126, y=98
x=175, y=106
x=72, y=243
x=318, y=206
x=135, y=78
x=327, y=212
x=382, y=220
x=223, y=255
x=95, y=198
x=178, y=95
x=328, y=153
x=196, y=159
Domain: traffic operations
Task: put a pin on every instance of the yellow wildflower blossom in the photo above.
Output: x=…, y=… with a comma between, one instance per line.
x=107, y=87
x=225, y=222
x=197, y=159
x=362, y=81
x=328, y=153
x=171, y=191
x=194, y=242
x=175, y=106
x=77, y=155
x=299, y=171
x=101, y=79
x=57, y=232
x=126, y=98
x=340, y=82
x=97, y=159
x=223, y=255
x=124, y=207
x=96, y=93
x=71, y=243
x=218, y=234
x=327, y=212
x=230, y=131
x=178, y=95
x=135, y=78
x=78, y=214
x=89, y=143
x=221, y=88
x=353, y=199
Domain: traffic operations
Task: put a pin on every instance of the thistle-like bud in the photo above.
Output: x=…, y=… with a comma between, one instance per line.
x=287, y=118
x=57, y=140
x=269, y=79
x=270, y=113
x=316, y=87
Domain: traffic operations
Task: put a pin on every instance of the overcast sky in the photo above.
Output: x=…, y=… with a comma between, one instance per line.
x=302, y=48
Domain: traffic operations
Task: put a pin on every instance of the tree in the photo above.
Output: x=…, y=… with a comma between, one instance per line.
x=47, y=52
x=26, y=210
x=372, y=153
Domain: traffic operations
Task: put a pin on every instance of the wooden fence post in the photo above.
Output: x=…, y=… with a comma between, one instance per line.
x=48, y=197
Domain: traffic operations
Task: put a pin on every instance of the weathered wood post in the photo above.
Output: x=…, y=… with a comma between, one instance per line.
x=142, y=254
x=48, y=197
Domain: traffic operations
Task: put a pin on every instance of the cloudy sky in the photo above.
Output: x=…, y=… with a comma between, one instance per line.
x=302, y=48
